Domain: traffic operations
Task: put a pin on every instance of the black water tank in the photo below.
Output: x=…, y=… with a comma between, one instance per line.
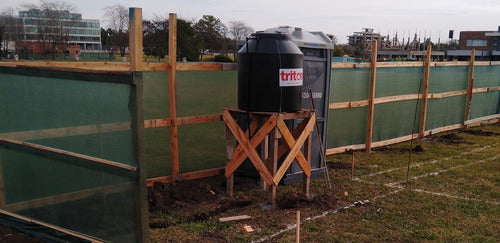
x=270, y=74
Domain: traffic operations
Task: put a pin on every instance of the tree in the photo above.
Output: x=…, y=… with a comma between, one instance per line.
x=2, y=31
x=12, y=30
x=53, y=25
x=156, y=37
x=106, y=42
x=189, y=43
x=117, y=18
x=211, y=31
x=239, y=30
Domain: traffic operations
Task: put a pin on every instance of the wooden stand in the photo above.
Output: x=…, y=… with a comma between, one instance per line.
x=269, y=130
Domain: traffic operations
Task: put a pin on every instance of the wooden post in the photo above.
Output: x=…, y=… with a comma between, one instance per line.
x=307, y=154
x=172, y=92
x=229, y=156
x=273, y=155
x=135, y=47
x=470, y=85
x=297, y=232
x=371, y=104
x=425, y=93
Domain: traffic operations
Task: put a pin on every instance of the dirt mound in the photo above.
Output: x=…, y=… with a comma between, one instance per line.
x=299, y=200
x=478, y=132
x=189, y=201
x=451, y=138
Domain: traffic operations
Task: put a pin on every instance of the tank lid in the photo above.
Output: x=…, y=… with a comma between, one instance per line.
x=272, y=35
x=304, y=38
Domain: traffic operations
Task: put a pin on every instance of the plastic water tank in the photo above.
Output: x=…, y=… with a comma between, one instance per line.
x=270, y=74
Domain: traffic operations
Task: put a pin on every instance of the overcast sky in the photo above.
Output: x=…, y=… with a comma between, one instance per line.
x=425, y=17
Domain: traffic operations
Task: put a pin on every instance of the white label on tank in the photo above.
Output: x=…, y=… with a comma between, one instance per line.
x=291, y=77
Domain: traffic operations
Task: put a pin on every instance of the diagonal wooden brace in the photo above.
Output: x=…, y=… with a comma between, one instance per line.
x=295, y=152
x=239, y=154
x=248, y=148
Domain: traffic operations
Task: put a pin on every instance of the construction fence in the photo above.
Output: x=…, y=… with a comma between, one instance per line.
x=78, y=139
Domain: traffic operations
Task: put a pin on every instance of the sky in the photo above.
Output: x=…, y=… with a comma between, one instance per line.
x=426, y=18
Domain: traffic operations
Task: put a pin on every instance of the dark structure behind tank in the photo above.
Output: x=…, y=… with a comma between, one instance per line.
x=259, y=65
x=316, y=48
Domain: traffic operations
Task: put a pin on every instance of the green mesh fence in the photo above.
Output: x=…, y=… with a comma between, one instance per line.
x=81, y=113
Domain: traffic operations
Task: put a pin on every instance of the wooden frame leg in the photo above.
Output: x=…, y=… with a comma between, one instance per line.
x=229, y=155
x=306, y=178
x=273, y=149
x=264, y=155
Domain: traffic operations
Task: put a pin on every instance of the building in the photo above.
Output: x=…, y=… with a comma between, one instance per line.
x=485, y=43
x=41, y=26
x=365, y=38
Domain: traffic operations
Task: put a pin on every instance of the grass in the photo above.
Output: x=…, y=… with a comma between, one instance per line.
x=453, y=195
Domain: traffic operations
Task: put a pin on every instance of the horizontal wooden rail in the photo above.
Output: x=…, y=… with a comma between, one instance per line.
x=380, y=100
x=188, y=176
x=213, y=66
x=66, y=231
x=84, y=160
x=343, y=65
x=471, y=123
x=68, y=197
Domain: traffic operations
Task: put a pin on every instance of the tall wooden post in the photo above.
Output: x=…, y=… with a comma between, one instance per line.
x=470, y=85
x=172, y=91
x=371, y=103
x=136, y=65
x=425, y=93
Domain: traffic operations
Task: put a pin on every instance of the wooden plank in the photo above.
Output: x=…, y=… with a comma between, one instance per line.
x=247, y=147
x=172, y=93
x=344, y=149
x=65, y=131
x=423, y=117
x=371, y=103
x=394, y=140
x=448, y=94
x=135, y=39
x=396, y=98
x=187, y=176
x=239, y=154
x=199, y=66
x=68, y=156
x=68, y=197
x=234, y=218
x=199, y=119
x=481, y=119
x=497, y=88
x=470, y=84
x=69, y=232
x=284, y=147
x=295, y=151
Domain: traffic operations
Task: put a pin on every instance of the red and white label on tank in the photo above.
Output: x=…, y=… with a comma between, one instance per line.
x=291, y=77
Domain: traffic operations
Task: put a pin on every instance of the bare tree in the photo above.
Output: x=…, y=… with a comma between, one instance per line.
x=239, y=30
x=116, y=17
x=12, y=30
x=53, y=25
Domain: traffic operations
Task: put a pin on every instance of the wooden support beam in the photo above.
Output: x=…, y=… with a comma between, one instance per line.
x=273, y=162
x=371, y=100
x=172, y=93
x=423, y=117
x=470, y=84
